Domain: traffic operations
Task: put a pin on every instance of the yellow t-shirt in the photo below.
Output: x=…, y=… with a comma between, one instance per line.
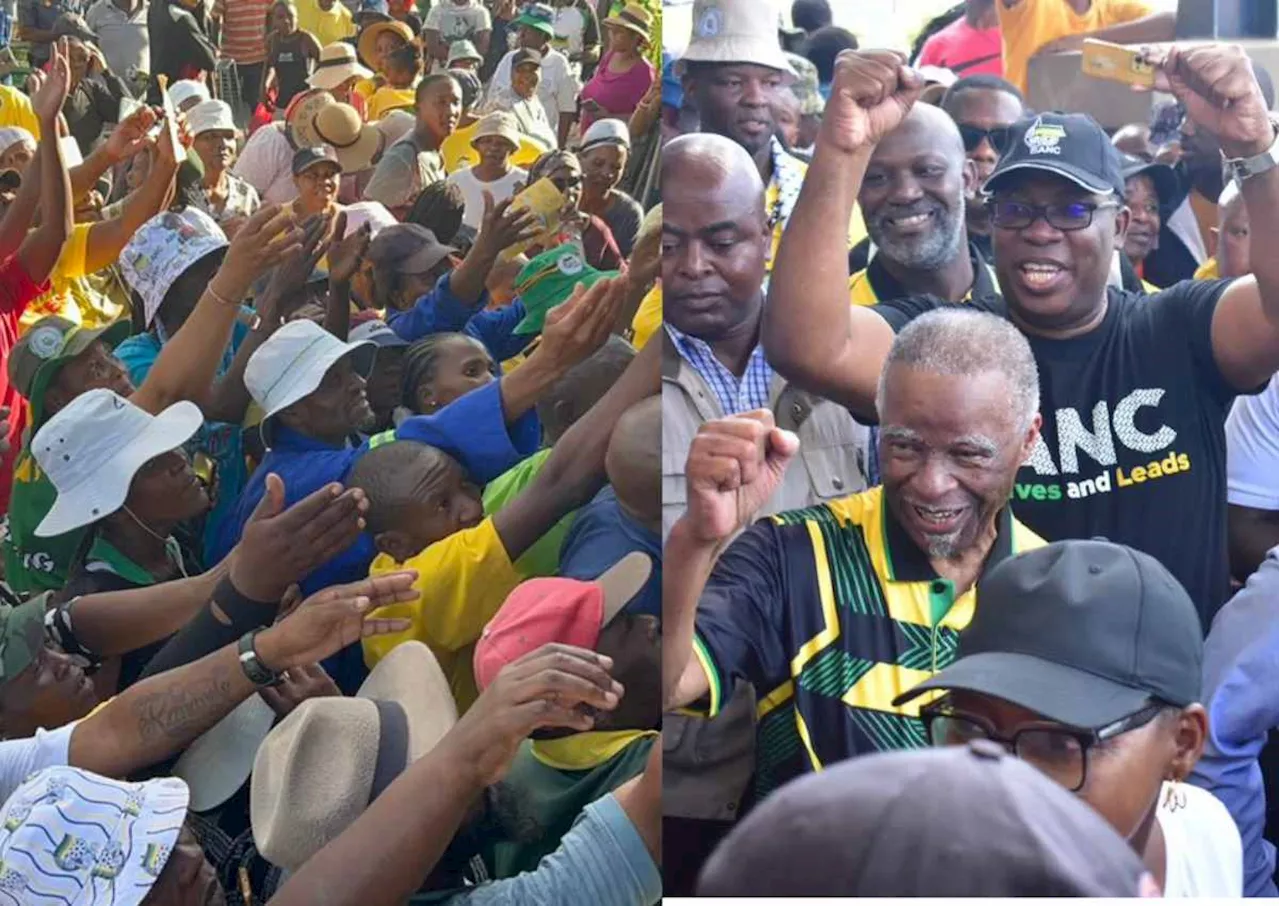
x=462, y=582
x=327, y=27
x=456, y=150
x=1028, y=25
x=386, y=99
x=75, y=295
x=648, y=317
x=16, y=110
x=365, y=88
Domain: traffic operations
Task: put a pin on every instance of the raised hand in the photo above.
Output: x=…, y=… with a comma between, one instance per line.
x=346, y=252
x=555, y=686
x=281, y=546
x=266, y=239
x=51, y=90
x=286, y=290
x=332, y=619
x=1215, y=83
x=503, y=226
x=130, y=137
x=735, y=464
x=871, y=93
x=576, y=328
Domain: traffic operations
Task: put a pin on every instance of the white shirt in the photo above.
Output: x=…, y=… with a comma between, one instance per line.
x=266, y=163
x=571, y=29
x=458, y=23
x=122, y=36
x=1253, y=450
x=20, y=758
x=473, y=190
x=558, y=89
x=1203, y=855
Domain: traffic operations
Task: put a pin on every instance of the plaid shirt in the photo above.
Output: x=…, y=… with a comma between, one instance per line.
x=735, y=395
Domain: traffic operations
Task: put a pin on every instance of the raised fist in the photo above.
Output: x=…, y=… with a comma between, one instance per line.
x=871, y=92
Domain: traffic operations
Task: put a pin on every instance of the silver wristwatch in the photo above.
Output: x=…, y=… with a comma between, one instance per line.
x=1241, y=168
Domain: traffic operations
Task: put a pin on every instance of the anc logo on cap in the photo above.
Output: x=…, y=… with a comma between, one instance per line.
x=45, y=342
x=569, y=264
x=1043, y=138
x=710, y=23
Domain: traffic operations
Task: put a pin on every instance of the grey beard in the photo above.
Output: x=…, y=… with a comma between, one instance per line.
x=943, y=547
x=928, y=252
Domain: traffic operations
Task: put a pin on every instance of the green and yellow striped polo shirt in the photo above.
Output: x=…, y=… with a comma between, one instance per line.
x=830, y=613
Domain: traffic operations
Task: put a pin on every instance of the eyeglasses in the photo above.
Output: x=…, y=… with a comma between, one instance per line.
x=1014, y=215
x=1058, y=751
x=973, y=136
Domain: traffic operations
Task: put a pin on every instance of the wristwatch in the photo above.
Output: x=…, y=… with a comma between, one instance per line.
x=259, y=673
x=1241, y=168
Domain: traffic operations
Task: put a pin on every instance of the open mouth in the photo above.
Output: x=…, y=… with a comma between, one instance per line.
x=938, y=520
x=906, y=224
x=1042, y=276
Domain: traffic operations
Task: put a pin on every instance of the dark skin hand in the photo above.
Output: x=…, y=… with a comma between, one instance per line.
x=501, y=227
x=370, y=866
x=346, y=254
x=298, y=685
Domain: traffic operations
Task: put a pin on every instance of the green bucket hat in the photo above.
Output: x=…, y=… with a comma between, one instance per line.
x=21, y=635
x=539, y=17
x=46, y=347
x=548, y=279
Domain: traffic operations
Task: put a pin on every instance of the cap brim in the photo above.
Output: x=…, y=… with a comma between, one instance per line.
x=220, y=761
x=104, y=491
x=112, y=334
x=533, y=321
x=1060, y=693
x=622, y=582
x=1084, y=180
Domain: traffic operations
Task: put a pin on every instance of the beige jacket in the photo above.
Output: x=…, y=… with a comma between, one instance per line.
x=833, y=457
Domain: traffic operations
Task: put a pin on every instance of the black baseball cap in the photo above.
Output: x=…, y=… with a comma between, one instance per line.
x=306, y=158
x=1083, y=632
x=1070, y=145
x=961, y=821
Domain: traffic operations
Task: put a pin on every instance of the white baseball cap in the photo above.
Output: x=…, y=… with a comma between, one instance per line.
x=208, y=116
x=184, y=90
x=92, y=449
x=371, y=212
x=292, y=363
x=606, y=132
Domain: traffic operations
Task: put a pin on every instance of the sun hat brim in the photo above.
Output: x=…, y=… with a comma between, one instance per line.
x=112, y=334
x=105, y=488
x=307, y=371
x=369, y=36
x=359, y=155
x=635, y=27
x=412, y=676
x=219, y=762
x=735, y=50
x=331, y=77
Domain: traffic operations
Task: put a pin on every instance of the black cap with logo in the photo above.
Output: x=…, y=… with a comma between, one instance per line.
x=1083, y=632
x=1070, y=145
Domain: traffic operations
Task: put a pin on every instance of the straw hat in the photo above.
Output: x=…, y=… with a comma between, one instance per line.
x=321, y=767
x=337, y=64
x=356, y=143
x=635, y=18
x=501, y=124
x=734, y=31
x=369, y=37
x=301, y=117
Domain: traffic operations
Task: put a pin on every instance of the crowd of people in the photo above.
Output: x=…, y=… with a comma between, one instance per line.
x=991, y=471
x=332, y=531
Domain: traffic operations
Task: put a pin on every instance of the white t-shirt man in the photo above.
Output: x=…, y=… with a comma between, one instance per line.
x=473, y=190
x=571, y=30
x=558, y=90
x=1253, y=450
x=1203, y=854
x=20, y=758
x=266, y=163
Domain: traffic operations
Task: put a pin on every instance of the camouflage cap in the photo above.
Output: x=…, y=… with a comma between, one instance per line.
x=21, y=635
x=806, y=85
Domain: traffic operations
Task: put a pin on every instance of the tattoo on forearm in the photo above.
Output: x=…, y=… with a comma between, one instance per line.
x=173, y=712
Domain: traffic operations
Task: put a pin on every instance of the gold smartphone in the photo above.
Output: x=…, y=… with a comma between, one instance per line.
x=1116, y=63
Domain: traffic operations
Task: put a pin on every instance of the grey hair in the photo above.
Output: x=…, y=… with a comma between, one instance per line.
x=965, y=342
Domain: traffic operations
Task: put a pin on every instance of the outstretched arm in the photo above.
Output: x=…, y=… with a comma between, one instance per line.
x=40, y=250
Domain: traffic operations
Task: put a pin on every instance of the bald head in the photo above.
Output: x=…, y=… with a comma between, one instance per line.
x=712, y=163
x=633, y=462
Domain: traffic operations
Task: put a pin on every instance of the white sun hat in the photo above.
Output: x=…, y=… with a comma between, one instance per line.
x=208, y=116
x=292, y=363
x=184, y=91
x=734, y=31
x=217, y=764
x=91, y=450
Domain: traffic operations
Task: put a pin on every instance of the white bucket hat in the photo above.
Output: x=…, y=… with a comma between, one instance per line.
x=462, y=50
x=71, y=837
x=373, y=213
x=92, y=449
x=217, y=764
x=292, y=363
x=11, y=135
x=321, y=767
x=162, y=250
x=734, y=31
x=337, y=64
x=185, y=90
x=208, y=116
x=606, y=132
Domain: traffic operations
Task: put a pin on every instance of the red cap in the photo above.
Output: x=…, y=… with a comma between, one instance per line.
x=568, y=611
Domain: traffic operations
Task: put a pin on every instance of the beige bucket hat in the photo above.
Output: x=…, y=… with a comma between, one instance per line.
x=734, y=31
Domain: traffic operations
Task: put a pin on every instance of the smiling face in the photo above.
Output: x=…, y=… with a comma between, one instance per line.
x=51, y=691
x=317, y=188
x=439, y=107
x=216, y=149
x=335, y=409
x=735, y=100
x=525, y=79
x=1144, y=217
x=603, y=166
x=949, y=452
x=1055, y=279
x=912, y=196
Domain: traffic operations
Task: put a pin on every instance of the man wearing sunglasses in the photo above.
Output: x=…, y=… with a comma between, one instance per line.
x=984, y=107
x=1084, y=660
x=1135, y=389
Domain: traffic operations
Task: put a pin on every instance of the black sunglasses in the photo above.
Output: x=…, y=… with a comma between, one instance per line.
x=973, y=136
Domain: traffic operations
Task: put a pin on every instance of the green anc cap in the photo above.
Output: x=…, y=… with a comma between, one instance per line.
x=805, y=87
x=46, y=347
x=21, y=635
x=548, y=279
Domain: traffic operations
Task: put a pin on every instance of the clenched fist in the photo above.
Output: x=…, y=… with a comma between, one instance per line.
x=735, y=464
x=871, y=92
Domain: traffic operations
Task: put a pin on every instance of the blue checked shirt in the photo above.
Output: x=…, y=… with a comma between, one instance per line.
x=735, y=395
